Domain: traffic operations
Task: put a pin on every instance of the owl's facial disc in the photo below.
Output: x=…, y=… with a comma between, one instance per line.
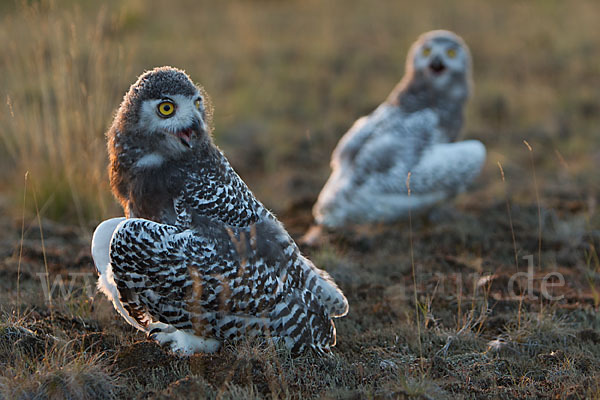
x=176, y=120
x=441, y=61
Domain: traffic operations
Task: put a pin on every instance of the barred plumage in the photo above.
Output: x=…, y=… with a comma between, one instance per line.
x=412, y=131
x=200, y=260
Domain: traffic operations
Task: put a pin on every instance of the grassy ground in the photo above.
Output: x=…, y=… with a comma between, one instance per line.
x=287, y=79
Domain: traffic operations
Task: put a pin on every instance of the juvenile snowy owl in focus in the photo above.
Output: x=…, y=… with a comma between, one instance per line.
x=199, y=260
x=412, y=131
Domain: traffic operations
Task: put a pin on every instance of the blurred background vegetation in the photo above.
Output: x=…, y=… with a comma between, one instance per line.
x=287, y=79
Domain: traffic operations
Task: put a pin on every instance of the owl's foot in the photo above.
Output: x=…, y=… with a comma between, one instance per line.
x=182, y=342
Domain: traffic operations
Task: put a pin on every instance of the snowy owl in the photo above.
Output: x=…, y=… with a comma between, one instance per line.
x=199, y=260
x=412, y=131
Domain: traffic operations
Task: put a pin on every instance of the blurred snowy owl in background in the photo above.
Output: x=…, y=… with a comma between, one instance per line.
x=199, y=260
x=412, y=131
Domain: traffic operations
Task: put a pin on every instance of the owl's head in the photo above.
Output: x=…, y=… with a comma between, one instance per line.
x=164, y=110
x=442, y=59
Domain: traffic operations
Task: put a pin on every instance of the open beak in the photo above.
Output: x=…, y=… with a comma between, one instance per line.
x=437, y=66
x=187, y=135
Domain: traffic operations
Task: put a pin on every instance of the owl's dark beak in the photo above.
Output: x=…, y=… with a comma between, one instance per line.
x=437, y=65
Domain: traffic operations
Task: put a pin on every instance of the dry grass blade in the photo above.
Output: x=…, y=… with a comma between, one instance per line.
x=39, y=221
x=18, y=305
x=539, y=210
x=537, y=200
x=514, y=240
x=414, y=274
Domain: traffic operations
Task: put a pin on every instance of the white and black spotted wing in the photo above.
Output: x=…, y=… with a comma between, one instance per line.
x=215, y=197
x=225, y=286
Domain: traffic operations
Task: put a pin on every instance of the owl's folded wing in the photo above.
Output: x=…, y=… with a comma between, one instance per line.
x=150, y=272
x=395, y=148
x=359, y=133
x=187, y=280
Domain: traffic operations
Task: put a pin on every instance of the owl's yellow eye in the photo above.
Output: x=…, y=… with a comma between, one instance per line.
x=197, y=103
x=451, y=53
x=426, y=51
x=166, y=108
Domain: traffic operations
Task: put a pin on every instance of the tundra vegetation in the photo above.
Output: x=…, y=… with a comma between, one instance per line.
x=495, y=296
